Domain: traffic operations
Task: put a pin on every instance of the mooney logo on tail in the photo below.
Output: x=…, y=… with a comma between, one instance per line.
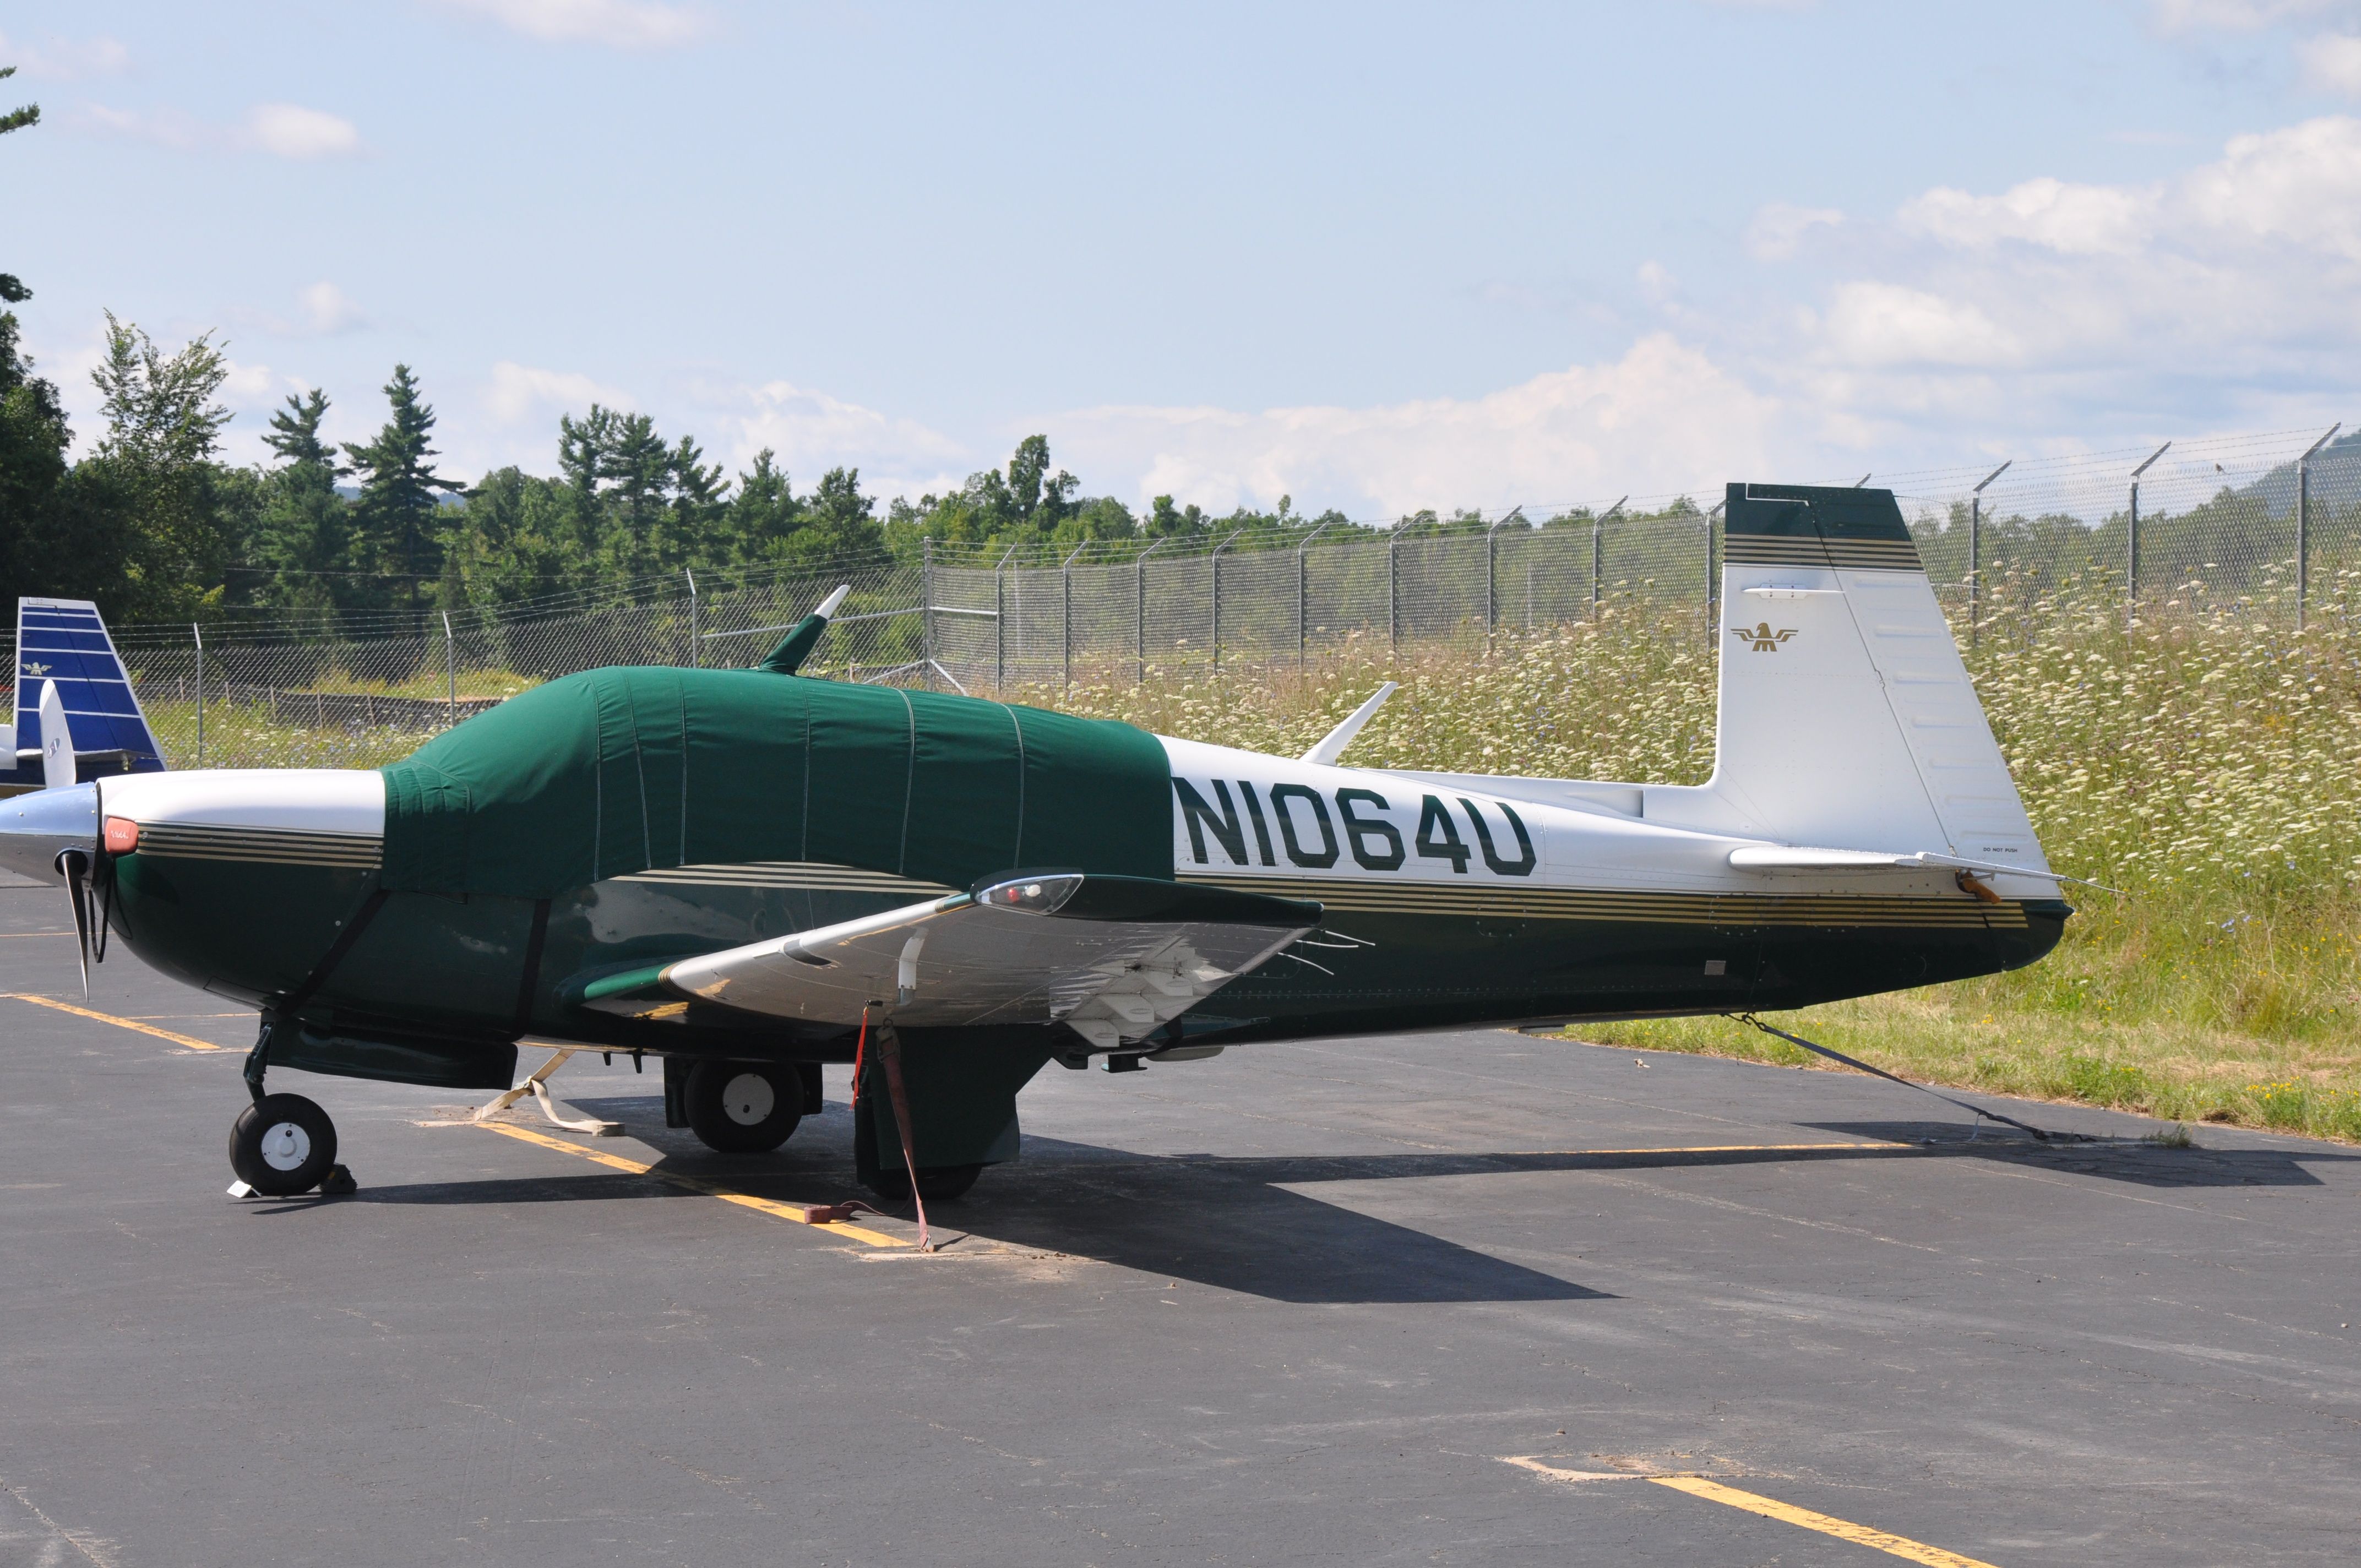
x=1765, y=640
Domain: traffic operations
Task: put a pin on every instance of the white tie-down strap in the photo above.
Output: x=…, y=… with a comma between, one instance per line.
x=538, y=1087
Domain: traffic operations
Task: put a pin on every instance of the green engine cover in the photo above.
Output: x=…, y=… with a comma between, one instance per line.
x=617, y=770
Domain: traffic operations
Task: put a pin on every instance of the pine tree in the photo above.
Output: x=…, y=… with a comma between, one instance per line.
x=396, y=513
x=304, y=534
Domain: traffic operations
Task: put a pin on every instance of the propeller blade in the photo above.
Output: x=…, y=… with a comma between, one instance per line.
x=76, y=866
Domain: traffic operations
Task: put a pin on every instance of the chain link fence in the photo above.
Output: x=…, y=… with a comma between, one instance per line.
x=2266, y=527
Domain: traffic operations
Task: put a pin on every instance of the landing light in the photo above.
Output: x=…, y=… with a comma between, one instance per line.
x=1045, y=896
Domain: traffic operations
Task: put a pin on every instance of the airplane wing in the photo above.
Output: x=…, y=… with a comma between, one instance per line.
x=1113, y=957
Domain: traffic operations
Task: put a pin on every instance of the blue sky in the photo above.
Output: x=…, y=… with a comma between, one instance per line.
x=1373, y=257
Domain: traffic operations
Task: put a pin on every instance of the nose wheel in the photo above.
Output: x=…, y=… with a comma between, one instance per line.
x=282, y=1145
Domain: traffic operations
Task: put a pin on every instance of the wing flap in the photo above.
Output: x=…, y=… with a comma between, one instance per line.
x=1114, y=956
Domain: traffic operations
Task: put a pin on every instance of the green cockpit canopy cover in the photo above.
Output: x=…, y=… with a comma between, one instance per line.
x=617, y=770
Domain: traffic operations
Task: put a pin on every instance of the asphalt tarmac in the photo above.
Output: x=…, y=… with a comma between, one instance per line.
x=1360, y=1301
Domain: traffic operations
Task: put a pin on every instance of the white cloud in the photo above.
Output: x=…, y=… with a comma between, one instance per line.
x=245, y=385
x=282, y=130
x=813, y=432
x=2076, y=219
x=523, y=393
x=328, y=308
x=2299, y=185
x=619, y=24
x=2233, y=284
x=289, y=130
x=2332, y=64
x=1663, y=418
x=1778, y=229
x=1879, y=325
x=322, y=310
x=64, y=60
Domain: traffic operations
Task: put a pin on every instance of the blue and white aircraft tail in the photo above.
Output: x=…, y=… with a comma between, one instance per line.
x=76, y=715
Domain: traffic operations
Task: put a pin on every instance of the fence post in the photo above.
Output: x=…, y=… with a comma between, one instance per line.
x=2131, y=541
x=1139, y=612
x=1304, y=591
x=1492, y=573
x=1492, y=579
x=1000, y=623
x=927, y=611
x=1393, y=590
x=199, y=633
x=1597, y=553
x=450, y=674
x=1712, y=622
x=2304, y=520
x=696, y=627
x=1066, y=616
x=1976, y=551
x=1225, y=544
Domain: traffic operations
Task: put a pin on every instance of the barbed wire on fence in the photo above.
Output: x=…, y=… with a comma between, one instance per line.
x=2242, y=525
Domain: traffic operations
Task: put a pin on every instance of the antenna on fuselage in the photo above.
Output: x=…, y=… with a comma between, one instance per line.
x=804, y=636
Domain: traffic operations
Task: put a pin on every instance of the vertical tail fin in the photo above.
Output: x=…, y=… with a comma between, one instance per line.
x=1848, y=719
x=64, y=643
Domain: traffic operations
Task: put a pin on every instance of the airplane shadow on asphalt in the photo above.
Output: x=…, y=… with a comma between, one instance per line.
x=2134, y=1160
x=1237, y=1224
x=1184, y=1219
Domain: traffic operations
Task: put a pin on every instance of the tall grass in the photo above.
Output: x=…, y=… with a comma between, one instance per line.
x=2207, y=763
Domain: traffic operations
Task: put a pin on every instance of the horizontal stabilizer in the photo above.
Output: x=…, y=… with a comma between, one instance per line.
x=1781, y=858
x=1114, y=956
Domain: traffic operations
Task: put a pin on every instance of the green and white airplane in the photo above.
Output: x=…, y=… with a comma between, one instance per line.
x=747, y=873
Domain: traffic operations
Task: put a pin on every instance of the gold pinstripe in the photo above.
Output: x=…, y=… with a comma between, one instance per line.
x=814, y=876
x=1786, y=549
x=268, y=846
x=1352, y=896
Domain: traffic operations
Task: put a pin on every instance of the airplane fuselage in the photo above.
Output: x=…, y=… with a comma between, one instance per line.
x=1445, y=904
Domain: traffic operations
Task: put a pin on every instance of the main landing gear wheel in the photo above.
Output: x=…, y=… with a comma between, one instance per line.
x=282, y=1145
x=937, y=1183
x=737, y=1107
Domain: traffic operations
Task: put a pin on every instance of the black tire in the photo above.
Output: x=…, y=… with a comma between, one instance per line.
x=742, y=1107
x=282, y=1145
x=937, y=1183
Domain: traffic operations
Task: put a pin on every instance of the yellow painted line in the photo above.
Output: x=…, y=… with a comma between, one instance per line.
x=797, y=1212
x=6, y=934
x=1703, y=1149
x=1843, y=1529
x=191, y=1041
x=1900, y=1546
